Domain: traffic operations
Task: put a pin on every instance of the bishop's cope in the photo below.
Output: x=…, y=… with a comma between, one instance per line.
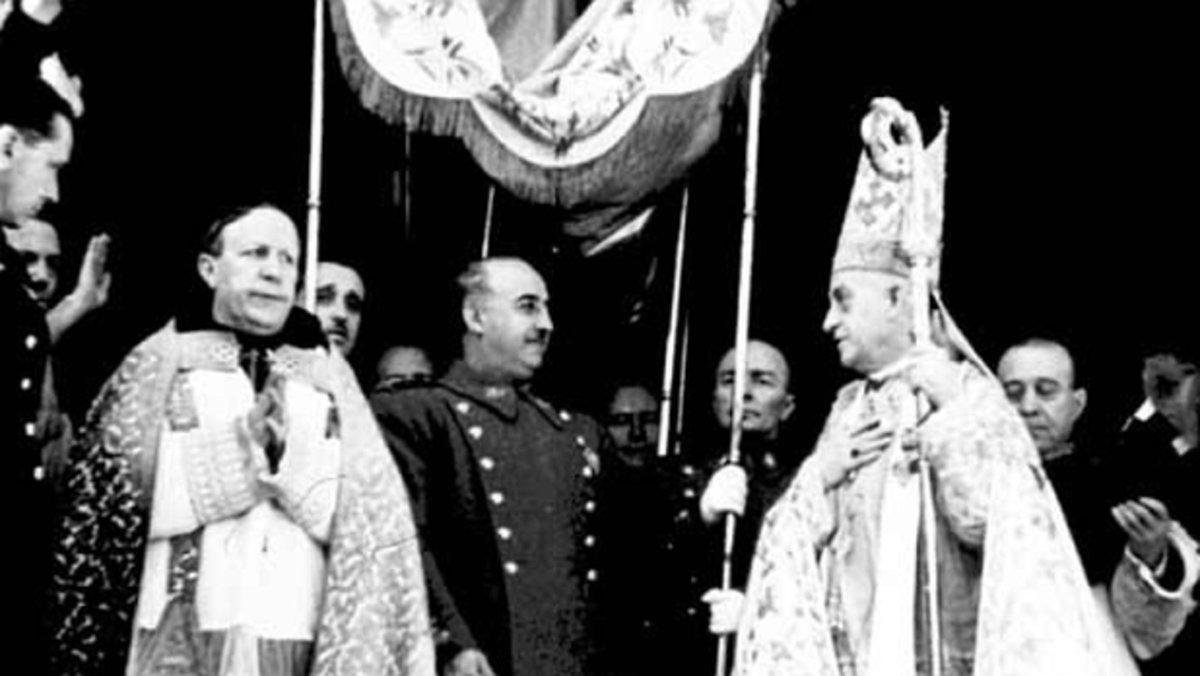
x=840, y=568
x=233, y=509
x=504, y=490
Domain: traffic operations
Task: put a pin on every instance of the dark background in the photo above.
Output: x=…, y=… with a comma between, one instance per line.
x=1068, y=202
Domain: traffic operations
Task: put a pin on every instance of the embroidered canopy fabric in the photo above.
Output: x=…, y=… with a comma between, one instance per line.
x=613, y=113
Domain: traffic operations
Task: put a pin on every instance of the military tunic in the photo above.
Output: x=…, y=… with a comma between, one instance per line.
x=503, y=489
x=25, y=344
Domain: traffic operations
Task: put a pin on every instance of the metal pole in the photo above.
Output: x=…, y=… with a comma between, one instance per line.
x=668, y=380
x=681, y=391
x=920, y=289
x=485, y=247
x=316, y=129
x=406, y=181
x=742, y=331
x=922, y=244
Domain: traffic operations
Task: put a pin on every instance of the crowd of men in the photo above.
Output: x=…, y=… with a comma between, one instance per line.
x=234, y=503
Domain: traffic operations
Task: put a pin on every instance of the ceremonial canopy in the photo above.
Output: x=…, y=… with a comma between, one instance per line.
x=595, y=123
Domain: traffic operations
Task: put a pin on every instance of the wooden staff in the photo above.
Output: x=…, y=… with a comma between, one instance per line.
x=668, y=381
x=742, y=330
x=316, y=129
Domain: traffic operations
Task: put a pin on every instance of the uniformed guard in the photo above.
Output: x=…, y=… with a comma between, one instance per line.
x=35, y=141
x=503, y=488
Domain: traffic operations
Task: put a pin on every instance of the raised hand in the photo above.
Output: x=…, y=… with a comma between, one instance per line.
x=94, y=278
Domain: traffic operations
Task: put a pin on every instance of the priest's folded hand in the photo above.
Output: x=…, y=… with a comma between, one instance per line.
x=267, y=421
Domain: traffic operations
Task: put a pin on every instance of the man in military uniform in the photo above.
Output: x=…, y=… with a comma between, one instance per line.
x=502, y=485
x=35, y=141
x=748, y=489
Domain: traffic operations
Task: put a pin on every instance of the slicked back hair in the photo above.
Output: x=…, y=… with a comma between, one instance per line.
x=1077, y=380
x=30, y=106
x=475, y=281
x=213, y=243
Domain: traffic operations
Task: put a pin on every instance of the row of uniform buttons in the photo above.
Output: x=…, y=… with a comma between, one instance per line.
x=488, y=464
x=589, y=471
x=31, y=342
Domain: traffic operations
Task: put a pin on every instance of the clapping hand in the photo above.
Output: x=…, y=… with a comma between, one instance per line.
x=1146, y=521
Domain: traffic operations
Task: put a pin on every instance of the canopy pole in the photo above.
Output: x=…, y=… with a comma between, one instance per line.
x=742, y=330
x=668, y=380
x=681, y=391
x=316, y=131
x=485, y=247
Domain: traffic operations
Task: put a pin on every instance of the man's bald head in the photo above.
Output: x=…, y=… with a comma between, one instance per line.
x=768, y=401
x=1038, y=376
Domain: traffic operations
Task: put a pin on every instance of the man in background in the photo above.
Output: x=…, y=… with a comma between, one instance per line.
x=402, y=365
x=1145, y=592
x=36, y=140
x=340, y=297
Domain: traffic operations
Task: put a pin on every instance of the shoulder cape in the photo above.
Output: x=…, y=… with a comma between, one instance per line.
x=374, y=617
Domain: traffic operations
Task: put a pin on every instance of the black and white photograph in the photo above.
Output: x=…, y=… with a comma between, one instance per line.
x=598, y=338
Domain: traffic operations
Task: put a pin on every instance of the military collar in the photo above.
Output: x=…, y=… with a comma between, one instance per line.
x=500, y=396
